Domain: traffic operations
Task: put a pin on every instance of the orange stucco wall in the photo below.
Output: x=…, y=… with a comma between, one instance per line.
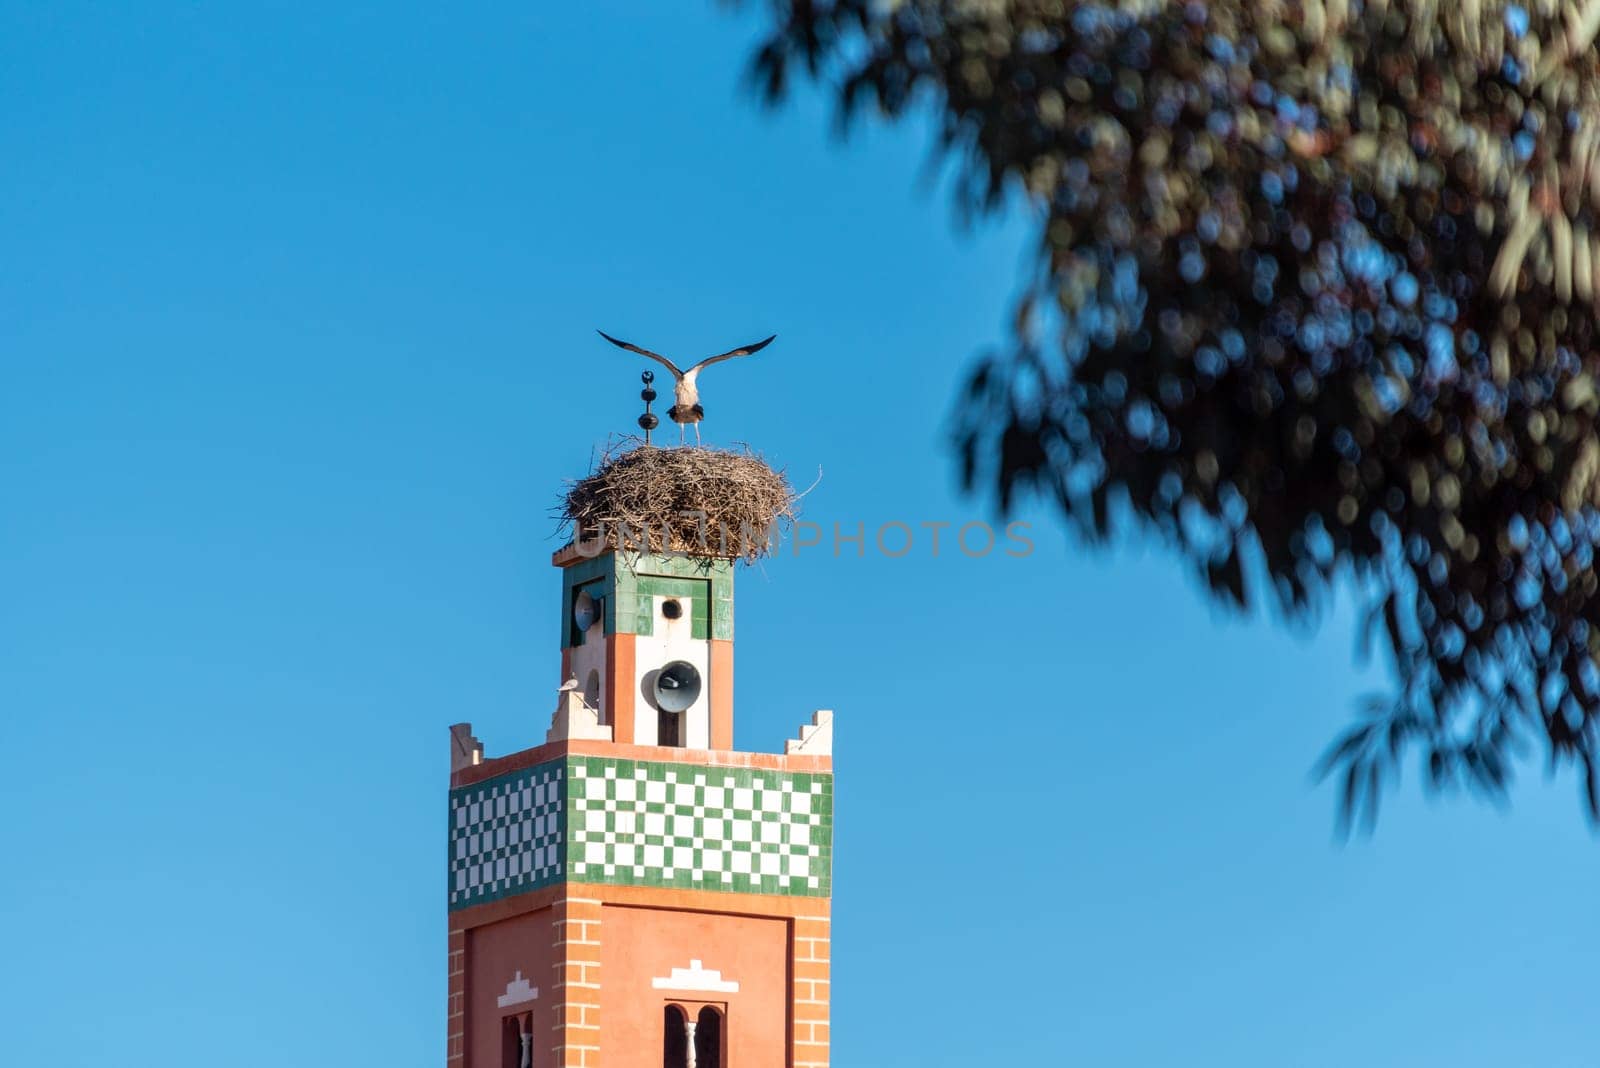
x=640, y=944
x=495, y=952
x=721, y=694
x=600, y=947
x=619, y=684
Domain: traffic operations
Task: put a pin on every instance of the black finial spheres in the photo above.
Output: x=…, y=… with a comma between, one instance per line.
x=647, y=421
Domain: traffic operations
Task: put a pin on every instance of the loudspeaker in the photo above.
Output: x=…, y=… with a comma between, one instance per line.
x=585, y=610
x=677, y=686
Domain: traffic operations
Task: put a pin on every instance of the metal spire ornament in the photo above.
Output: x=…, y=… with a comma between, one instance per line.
x=648, y=421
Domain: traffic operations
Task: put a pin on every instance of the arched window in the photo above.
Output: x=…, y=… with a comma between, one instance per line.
x=691, y=1041
x=708, y=1039
x=674, y=1038
x=516, y=1041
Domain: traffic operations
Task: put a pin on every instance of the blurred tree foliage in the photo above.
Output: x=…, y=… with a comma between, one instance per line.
x=1315, y=299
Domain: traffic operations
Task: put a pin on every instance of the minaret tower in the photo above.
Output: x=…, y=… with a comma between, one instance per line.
x=632, y=891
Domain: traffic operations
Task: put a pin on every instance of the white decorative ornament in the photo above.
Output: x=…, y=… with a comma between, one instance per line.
x=695, y=977
x=517, y=991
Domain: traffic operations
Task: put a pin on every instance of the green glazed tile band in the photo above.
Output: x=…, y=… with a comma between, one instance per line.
x=642, y=823
x=627, y=583
x=693, y=827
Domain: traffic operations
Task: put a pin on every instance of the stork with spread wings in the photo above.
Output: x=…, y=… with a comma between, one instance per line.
x=686, y=409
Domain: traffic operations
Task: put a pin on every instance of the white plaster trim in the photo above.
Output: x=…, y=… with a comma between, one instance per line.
x=574, y=718
x=517, y=991
x=696, y=977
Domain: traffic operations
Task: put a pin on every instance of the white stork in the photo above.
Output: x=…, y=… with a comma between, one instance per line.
x=686, y=409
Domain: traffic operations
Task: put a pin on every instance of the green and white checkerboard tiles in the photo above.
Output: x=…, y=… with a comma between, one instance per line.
x=690, y=826
x=645, y=823
x=506, y=834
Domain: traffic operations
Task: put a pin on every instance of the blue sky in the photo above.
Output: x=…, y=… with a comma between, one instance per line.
x=296, y=348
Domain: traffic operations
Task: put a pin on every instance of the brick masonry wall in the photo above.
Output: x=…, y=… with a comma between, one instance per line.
x=812, y=993
x=455, y=999
x=577, y=983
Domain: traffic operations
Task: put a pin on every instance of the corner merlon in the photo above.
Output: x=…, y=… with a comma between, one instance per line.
x=816, y=737
x=465, y=750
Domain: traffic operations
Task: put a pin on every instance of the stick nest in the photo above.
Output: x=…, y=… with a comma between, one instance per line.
x=713, y=503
